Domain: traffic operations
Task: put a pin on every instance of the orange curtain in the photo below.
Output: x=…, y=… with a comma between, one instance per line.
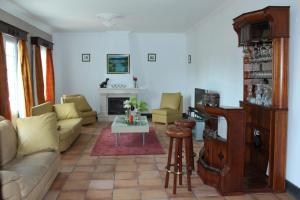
x=4, y=94
x=26, y=77
x=50, y=82
x=39, y=75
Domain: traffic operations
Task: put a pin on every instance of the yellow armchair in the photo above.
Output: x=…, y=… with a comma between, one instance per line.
x=170, y=108
x=86, y=113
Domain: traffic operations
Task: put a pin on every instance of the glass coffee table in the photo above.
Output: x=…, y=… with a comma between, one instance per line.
x=120, y=126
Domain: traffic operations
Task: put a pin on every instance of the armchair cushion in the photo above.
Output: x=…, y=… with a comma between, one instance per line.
x=164, y=111
x=8, y=142
x=170, y=100
x=85, y=111
x=80, y=102
x=37, y=133
x=66, y=111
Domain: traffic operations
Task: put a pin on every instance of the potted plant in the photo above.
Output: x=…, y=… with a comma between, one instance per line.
x=133, y=108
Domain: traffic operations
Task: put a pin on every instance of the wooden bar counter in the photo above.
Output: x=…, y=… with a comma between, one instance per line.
x=221, y=161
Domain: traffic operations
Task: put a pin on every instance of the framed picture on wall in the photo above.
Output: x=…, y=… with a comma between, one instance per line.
x=151, y=57
x=86, y=57
x=118, y=63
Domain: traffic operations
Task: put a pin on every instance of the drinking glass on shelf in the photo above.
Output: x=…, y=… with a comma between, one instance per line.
x=258, y=94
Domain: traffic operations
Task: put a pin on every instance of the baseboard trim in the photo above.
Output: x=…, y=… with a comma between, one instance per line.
x=292, y=189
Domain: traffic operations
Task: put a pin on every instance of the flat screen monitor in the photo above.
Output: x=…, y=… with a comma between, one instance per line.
x=199, y=96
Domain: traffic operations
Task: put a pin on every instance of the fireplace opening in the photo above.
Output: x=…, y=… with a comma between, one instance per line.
x=115, y=105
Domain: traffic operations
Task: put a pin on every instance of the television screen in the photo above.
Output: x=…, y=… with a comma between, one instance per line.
x=199, y=96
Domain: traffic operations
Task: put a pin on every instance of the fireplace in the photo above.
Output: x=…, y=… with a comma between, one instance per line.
x=110, y=96
x=115, y=105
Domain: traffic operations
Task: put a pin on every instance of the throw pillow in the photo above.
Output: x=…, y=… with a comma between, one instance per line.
x=37, y=133
x=66, y=111
x=8, y=142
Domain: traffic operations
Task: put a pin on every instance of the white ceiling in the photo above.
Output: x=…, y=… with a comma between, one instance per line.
x=138, y=15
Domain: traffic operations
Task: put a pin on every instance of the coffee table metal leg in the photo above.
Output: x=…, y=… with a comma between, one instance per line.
x=117, y=138
x=143, y=138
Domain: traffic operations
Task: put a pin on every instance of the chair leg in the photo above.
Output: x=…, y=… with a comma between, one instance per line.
x=188, y=153
x=180, y=162
x=192, y=162
x=169, y=163
x=176, y=165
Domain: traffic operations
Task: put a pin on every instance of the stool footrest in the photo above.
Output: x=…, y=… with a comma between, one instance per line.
x=173, y=172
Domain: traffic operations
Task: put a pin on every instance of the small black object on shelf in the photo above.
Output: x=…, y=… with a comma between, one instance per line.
x=104, y=83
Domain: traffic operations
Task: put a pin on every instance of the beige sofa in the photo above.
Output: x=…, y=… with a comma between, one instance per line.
x=28, y=177
x=86, y=112
x=68, y=129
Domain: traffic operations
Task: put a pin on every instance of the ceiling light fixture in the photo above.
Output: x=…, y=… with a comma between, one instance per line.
x=107, y=18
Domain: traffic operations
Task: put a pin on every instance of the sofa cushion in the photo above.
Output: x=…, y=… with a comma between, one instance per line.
x=67, y=127
x=31, y=169
x=89, y=114
x=42, y=109
x=164, y=111
x=42, y=158
x=37, y=133
x=9, y=187
x=8, y=142
x=170, y=100
x=8, y=176
x=30, y=175
x=66, y=111
x=80, y=102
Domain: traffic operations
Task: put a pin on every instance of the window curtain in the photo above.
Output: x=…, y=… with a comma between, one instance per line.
x=4, y=94
x=26, y=77
x=50, y=82
x=39, y=75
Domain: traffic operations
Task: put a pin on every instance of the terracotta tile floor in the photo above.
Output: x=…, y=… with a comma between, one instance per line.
x=127, y=177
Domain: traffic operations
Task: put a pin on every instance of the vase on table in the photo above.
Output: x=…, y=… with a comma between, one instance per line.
x=127, y=115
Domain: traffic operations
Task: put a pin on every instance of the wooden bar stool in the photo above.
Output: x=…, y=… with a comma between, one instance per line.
x=188, y=123
x=179, y=134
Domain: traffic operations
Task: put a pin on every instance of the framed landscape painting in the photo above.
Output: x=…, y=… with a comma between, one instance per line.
x=118, y=63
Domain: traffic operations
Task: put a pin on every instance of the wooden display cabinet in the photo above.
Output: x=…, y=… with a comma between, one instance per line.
x=264, y=36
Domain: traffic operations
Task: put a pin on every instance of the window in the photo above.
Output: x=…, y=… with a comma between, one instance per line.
x=14, y=77
x=44, y=66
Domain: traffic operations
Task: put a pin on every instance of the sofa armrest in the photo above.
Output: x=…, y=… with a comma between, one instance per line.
x=42, y=109
x=9, y=186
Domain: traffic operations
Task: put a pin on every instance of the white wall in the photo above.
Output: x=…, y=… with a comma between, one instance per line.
x=168, y=73
x=32, y=31
x=217, y=65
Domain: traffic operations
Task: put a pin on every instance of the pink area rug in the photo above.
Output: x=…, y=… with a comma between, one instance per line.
x=129, y=144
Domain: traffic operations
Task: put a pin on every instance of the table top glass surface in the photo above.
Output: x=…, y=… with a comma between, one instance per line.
x=121, y=121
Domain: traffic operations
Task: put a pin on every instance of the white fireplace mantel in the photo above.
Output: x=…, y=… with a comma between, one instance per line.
x=119, y=90
x=106, y=93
